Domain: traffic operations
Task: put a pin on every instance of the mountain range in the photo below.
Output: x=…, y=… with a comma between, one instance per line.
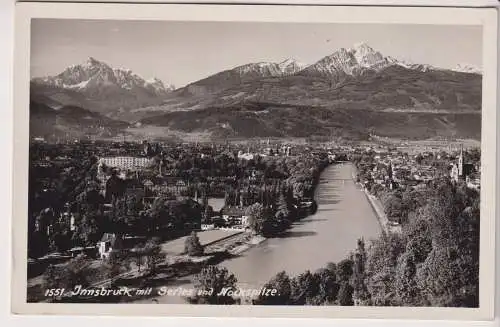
x=96, y=85
x=380, y=89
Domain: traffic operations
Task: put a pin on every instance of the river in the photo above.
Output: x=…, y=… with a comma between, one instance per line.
x=344, y=215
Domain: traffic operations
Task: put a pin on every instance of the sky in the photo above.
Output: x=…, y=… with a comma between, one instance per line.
x=182, y=52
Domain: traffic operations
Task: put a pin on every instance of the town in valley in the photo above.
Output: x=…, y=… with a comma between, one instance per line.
x=145, y=213
x=351, y=180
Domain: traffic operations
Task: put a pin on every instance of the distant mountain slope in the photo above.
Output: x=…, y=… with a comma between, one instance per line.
x=241, y=74
x=465, y=68
x=70, y=121
x=394, y=87
x=274, y=120
x=97, y=86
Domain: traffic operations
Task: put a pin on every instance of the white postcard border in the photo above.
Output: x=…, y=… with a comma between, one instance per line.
x=263, y=13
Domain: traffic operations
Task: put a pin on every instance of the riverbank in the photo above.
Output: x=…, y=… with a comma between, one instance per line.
x=184, y=268
x=377, y=208
x=381, y=216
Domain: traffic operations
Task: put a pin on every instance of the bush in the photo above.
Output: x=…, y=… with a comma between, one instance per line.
x=211, y=281
x=193, y=246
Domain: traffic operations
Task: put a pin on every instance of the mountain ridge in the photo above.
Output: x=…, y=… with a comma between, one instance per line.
x=350, y=81
x=103, y=88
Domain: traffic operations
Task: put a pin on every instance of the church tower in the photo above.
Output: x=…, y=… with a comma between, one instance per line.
x=461, y=161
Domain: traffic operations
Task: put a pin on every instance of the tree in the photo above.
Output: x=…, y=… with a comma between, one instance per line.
x=345, y=269
x=282, y=284
x=207, y=214
x=392, y=207
x=153, y=255
x=255, y=212
x=61, y=239
x=449, y=277
x=192, y=246
x=328, y=287
x=282, y=208
x=115, y=187
x=361, y=294
x=345, y=294
x=38, y=244
x=298, y=190
x=305, y=288
x=87, y=231
x=376, y=189
x=380, y=268
x=418, y=235
x=406, y=289
x=210, y=282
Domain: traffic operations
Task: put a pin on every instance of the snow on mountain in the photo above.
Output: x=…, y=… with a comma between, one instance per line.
x=466, y=68
x=290, y=66
x=350, y=61
x=95, y=75
x=367, y=57
x=411, y=65
x=264, y=69
x=157, y=85
x=358, y=58
x=270, y=69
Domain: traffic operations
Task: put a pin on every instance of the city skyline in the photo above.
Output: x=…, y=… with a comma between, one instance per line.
x=179, y=53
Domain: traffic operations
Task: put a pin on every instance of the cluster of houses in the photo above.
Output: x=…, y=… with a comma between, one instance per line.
x=396, y=168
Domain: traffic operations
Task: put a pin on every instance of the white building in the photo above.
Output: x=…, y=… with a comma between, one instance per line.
x=125, y=162
x=245, y=156
x=106, y=245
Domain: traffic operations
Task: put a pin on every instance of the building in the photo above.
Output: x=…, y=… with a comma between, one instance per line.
x=286, y=150
x=473, y=181
x=245, y=156
x=129, y=163
x=107, y=244
x=110, y=243
x=235, y=216
x=268, y=152
x=461, y=170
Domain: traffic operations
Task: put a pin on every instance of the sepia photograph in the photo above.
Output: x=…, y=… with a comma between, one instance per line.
x=255, y=163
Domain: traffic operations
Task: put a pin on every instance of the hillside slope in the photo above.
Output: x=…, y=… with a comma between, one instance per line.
x=71, y=122
x=272, y=120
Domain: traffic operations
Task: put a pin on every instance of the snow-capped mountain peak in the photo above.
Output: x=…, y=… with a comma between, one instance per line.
x=466, y=68
x=361, y=47
x=367, y=57
x=91, y=61
x=96, y=76
x=359, y=58
x=345, y=61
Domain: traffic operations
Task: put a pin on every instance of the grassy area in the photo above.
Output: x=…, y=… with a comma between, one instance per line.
x=176, y=247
